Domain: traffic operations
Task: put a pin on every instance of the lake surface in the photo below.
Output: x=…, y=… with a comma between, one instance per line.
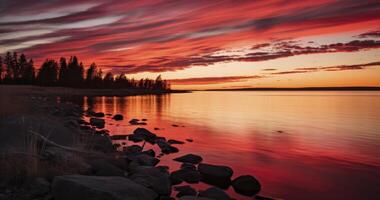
x=299, y=145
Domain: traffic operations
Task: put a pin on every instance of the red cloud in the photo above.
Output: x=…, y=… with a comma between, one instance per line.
x=138, y=36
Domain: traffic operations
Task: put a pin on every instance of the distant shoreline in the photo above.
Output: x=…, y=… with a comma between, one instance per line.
x=66, y=91
x=356, y=88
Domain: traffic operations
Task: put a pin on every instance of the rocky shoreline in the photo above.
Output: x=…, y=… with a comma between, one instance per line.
x=73, y=157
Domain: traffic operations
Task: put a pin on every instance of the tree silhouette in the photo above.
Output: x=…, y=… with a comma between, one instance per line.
x=16, y=69
x=48, y=73
x=63, y=72
x=8, y=61
x=75, y=73
x=1, y=69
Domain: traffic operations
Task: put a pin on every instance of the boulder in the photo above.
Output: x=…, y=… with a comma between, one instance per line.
x=185, y=190
x=189, y=140
x=78, y=187
x=98, y=123
x=133, y=150
x=101, y=167
x=166, y=148
x=135, y=138
x=216, y=175
x=152, y=178
x=144, y=160
x=189, y=158
x=150, y=152
x=101, y=143
x=98, y=114
x=119, y=137
x=188, y=166
x=118, y=117
x=39, y=187
x=246, y=185
x=214, y=193
x=145, y=134
x=189, y=176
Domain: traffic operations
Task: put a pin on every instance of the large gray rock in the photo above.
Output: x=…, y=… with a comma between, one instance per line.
x=246, y=185
x=214, y=193
x=216, y=175
x=152, y=178
x=78, y=187
x=189, y=158
x=102, y=167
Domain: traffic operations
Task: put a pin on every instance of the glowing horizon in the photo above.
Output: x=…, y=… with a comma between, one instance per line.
x=206, y=45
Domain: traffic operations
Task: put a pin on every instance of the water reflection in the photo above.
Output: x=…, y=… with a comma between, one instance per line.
x=300, y=145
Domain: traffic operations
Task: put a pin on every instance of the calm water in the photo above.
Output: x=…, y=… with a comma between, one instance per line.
x=300, y=145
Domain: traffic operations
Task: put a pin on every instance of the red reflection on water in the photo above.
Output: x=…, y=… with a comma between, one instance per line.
x=295, y=145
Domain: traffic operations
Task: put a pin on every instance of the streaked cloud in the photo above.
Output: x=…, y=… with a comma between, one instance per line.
x=212, y=80
x=169, y=36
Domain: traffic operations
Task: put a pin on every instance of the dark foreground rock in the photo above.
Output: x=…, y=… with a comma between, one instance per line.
x=214, y=193
x=216, y=175
x=78, y=187
x=246, y=185
x=98, y=123
x=145, y=134
x=101, y=167
x=152, y=178
x=185, y=190
x=187, y=175
x=189, y=158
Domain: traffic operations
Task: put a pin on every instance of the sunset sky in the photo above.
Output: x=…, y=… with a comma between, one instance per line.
x=205, y=44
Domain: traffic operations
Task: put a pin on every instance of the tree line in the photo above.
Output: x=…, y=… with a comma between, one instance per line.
x=16, y=69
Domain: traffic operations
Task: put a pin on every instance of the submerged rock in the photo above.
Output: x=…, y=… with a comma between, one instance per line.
x=118, y=117
x=78, y=187
x=171, y=141
x=189, y=158
x=216, y=175
x=166, y=148
x=214, y=193
x=152, y=178
x=185, y=190
x=246, y=185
